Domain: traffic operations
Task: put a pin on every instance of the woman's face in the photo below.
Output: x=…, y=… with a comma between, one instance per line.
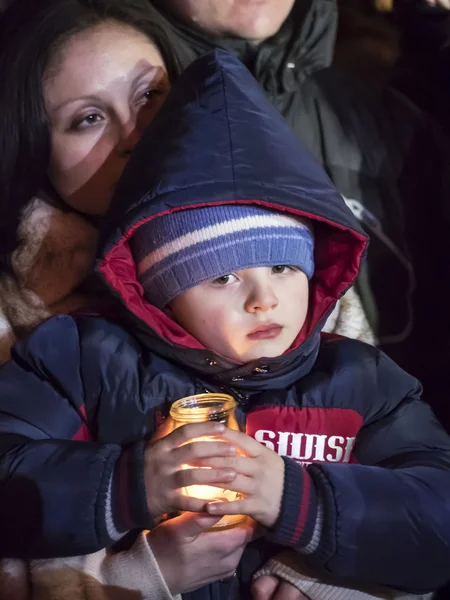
x=101, y=91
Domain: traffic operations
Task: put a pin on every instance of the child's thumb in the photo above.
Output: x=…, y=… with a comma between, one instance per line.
x=190, y=525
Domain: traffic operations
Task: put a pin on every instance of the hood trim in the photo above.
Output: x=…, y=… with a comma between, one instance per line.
x=118, y=270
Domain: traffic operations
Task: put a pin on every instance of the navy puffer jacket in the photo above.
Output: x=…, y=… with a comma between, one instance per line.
x=367, y=484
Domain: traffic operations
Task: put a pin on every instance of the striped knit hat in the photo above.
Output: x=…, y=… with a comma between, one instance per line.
x=178, y=251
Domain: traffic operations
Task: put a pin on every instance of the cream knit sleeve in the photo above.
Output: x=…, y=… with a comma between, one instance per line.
x=130, y=575
x=287, y=567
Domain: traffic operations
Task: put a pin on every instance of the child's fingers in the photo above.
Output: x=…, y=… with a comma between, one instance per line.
x=241, y=464
x=187, y=477
x=243, y=484
x=240, y=483
x=235, y=507
x=184, y=434
x=192, y=452
x=243, y=441
x=189, y=504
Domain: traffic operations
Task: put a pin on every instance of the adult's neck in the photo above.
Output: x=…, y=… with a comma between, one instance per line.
x=174, y=14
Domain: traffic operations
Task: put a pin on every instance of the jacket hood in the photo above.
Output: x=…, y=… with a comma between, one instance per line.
x=303, y=45
x=217, y=140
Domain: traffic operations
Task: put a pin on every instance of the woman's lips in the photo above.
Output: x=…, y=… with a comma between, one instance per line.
x=266, y=332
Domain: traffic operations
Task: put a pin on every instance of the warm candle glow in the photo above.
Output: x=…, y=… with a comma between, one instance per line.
x=208, y=492
x=204, y=407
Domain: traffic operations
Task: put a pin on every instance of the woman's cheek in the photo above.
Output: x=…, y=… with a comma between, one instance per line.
x=74, y=162
x=81, y=150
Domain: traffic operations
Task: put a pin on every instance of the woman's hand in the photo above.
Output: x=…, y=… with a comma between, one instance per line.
x=165, y=472
x=440, y=3
x=269, y=587
x=189, y=556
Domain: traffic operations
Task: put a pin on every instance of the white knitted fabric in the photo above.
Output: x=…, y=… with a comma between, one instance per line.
x=349, y=319
x=128, y=575
x=288, y=568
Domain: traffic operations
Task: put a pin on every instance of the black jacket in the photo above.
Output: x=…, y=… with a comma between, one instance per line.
x=367, y=478
x=388, y=163
x=422, y=70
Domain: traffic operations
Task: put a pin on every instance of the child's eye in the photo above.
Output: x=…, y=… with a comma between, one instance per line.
x=279, y=269
x=225, y=279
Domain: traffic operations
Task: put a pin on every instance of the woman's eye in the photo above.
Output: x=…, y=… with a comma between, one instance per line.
x=150, y=95
x=224, y=279
x=87, y=121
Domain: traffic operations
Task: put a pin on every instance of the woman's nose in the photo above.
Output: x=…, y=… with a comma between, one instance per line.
x=262, y=298
x=129, y=135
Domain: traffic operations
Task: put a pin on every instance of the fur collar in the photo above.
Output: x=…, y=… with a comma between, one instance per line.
x=56, y=254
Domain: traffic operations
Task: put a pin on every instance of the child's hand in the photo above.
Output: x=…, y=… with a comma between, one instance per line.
x=164, y=474
x=260, y=477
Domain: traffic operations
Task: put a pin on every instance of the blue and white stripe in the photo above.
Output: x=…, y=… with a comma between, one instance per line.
x=181, y=250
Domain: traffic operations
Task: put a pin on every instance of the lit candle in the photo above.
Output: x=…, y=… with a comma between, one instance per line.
x=208, y=407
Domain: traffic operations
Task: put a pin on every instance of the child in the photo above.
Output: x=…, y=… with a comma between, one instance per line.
x=227, y=247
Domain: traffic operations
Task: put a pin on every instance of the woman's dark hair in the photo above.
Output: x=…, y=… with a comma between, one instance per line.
x=31, y=32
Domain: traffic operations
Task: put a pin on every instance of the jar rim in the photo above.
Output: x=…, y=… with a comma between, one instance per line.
x=199, y=407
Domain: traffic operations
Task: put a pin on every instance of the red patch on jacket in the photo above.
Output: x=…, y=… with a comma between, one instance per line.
x=307, y=435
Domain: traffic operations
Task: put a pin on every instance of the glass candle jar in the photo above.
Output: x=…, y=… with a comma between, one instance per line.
x=208, y=407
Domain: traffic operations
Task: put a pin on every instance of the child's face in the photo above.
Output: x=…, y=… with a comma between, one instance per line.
x=248, y=314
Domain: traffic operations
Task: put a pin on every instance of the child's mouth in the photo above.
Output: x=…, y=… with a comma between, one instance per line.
x=265, y=332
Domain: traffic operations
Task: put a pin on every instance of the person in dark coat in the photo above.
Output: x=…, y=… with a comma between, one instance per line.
x=383, y=155
x=352, y=469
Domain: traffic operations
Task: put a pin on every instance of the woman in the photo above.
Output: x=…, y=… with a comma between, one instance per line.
x=81, y=81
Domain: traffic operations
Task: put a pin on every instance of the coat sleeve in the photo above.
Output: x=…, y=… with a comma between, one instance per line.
x=56, y=484
x=104, y=575
x=385, y=520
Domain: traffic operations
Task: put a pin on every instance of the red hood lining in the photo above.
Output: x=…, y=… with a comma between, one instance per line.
x=337, y=254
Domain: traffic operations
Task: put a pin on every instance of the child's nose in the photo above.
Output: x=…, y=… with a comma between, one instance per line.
x=261, y=299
